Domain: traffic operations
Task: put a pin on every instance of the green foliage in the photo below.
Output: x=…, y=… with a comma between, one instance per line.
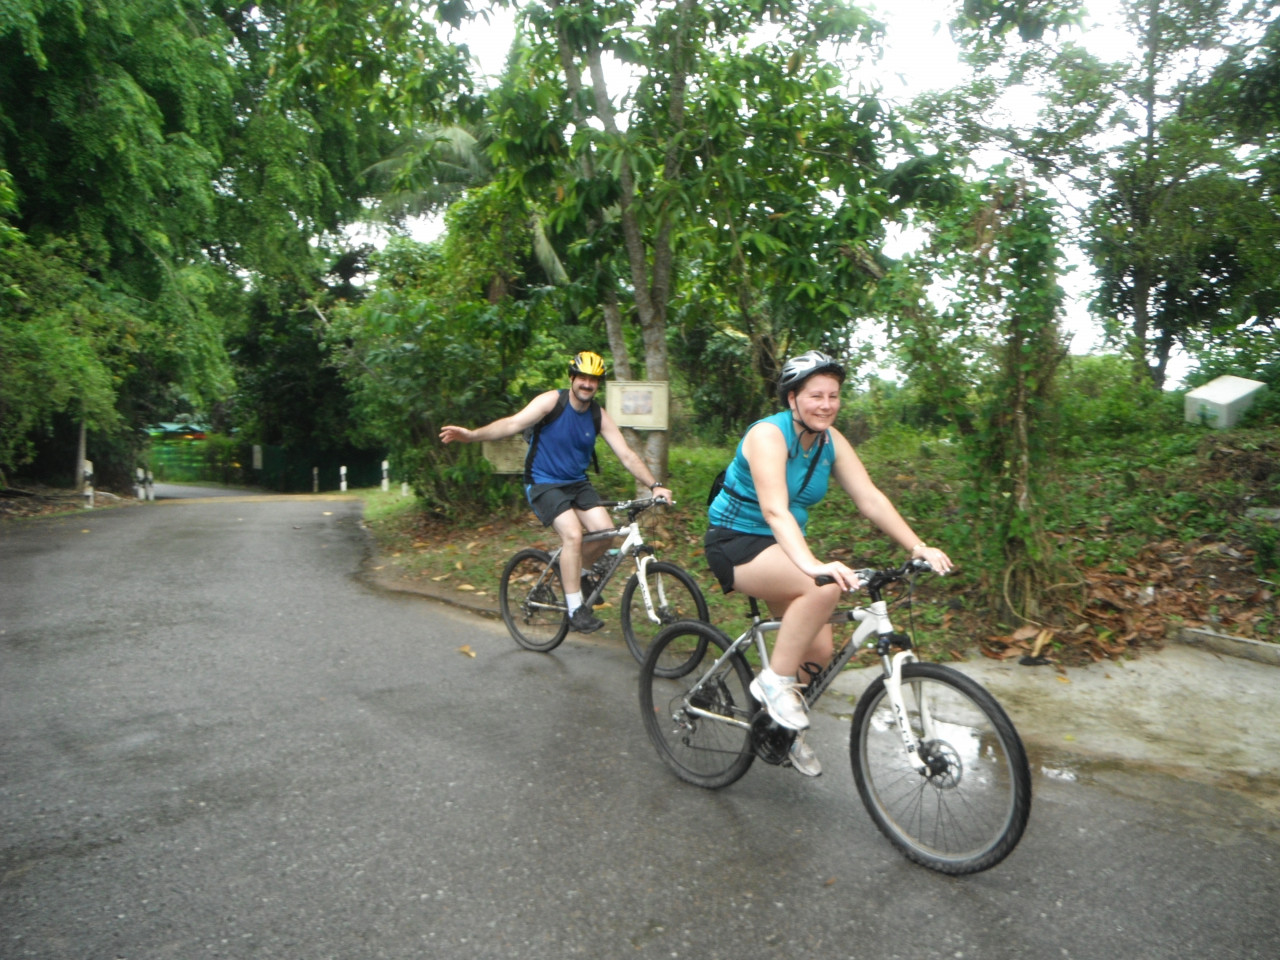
x=428, y=350
x=176, y=171
x=885, y=406
x=721, y=401
x=1263, y=538
x=1172, y=145
x=1099, y=398
x=60, y=341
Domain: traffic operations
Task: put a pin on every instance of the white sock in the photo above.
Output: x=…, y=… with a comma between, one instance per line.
x=574, y=600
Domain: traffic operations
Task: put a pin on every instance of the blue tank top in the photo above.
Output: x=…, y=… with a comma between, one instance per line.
x=742, y=512
x=564, y=448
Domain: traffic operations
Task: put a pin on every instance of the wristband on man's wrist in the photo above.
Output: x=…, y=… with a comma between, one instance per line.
x=656, y=484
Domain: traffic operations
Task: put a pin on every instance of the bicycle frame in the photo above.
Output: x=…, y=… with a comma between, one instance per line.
x=873, y=618
x=633, y=546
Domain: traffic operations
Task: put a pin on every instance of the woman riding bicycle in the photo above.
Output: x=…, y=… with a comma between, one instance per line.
x=756, y=541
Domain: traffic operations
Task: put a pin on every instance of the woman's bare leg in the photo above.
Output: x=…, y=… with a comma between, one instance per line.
x=803, y=607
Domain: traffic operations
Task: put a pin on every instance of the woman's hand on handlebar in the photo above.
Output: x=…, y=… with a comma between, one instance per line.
x=836, y=572
x=940, y=562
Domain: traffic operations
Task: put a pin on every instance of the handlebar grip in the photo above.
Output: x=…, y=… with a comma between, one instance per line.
x=823, y=579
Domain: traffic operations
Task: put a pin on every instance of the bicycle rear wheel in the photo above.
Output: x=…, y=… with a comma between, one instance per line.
x=532, y=601
x=968, y=809
x=700, y=719
x=675, y=597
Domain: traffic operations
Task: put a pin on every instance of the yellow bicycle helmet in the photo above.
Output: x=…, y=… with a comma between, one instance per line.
x=587, y=364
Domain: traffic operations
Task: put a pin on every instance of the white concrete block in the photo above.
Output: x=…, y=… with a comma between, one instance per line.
x=1222, y=402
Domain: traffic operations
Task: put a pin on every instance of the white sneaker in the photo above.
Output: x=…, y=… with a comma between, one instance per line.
x=804, y=759
x=781, y=697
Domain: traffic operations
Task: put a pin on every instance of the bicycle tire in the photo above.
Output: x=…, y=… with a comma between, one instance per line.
x=968, y=811
x=531, y=599
x=676, y=597
x=699, y=750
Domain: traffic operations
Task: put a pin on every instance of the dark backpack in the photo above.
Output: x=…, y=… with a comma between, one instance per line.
x=531, y=434
x=716, y=486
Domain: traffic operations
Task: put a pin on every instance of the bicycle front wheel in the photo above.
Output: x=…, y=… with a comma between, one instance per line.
x=967, y=809
x=675, y=596
x=532, y=601
x=699, y=720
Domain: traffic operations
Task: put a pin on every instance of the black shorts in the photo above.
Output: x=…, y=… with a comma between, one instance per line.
x=549, y=500
x=726, y=549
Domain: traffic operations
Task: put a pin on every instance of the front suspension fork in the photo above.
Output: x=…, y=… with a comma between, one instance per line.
x=642, y=571
x=893, y=689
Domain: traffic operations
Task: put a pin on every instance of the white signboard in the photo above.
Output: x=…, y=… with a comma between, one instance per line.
x=641, y=404
x=505, y=456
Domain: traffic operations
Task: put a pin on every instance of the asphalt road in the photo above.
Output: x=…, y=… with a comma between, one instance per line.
x=217, y=741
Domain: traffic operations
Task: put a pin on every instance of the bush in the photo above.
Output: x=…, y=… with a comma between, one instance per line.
x=1106, y=401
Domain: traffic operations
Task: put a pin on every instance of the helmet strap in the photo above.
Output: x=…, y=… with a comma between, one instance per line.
x=798, y=420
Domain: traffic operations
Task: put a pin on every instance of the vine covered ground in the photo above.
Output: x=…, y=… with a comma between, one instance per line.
x=1174, y=534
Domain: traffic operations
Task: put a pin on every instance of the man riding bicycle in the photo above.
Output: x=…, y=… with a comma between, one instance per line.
x=556, y=483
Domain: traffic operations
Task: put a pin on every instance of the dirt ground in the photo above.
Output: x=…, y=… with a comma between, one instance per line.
x=38, y=501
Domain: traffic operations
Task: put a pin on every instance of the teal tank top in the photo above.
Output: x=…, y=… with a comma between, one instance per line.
x=737, y=508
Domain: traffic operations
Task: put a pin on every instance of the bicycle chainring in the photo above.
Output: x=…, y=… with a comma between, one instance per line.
x=772, y=742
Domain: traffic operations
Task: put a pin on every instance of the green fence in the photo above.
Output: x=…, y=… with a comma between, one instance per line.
x=233, y=464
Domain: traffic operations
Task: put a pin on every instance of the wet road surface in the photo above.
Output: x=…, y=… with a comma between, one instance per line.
x=216, y=741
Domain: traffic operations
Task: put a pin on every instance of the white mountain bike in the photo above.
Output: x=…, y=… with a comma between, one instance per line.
x=937, y=762
x=531, y=596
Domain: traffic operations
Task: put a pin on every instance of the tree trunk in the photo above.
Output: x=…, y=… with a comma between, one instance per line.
x=650, y=309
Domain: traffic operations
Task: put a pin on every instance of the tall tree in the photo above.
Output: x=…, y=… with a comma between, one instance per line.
x=732, y=104
x=177, y=153
x=989, y=360
x=1242, y=103
x=453, y=333
x=57, y=330
x=1128, y=141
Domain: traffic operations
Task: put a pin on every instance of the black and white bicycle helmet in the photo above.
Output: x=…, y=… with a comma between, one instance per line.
x=799, y=369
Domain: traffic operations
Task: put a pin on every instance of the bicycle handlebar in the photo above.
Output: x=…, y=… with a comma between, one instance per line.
x=638, y=505
x=874, y=580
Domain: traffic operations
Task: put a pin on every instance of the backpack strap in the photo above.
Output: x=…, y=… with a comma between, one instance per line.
x=817, y=455
x=719, y=484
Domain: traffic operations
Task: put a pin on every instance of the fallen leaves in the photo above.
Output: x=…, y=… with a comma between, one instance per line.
x=1209, y=583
